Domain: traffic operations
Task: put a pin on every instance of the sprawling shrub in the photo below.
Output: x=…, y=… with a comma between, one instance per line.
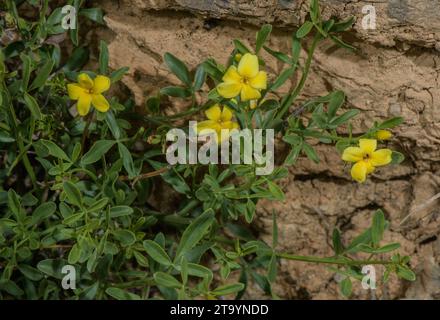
x=79, y=166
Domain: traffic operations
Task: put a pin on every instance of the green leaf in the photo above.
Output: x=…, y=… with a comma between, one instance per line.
x=156, y=252
x=275, y=191
x=250, y=211
x=304, y=29
x=120, y=294
x=397, y=157
x=74, y=254
x=293, y=155
x=113, y=125
x=125, y=237
x=26, y=72
x=52, y=267
x=70, y=220
x=344, y=117
x=117, y=75
x=30, y=272
x=341, y=43
x=378, y=227
x=153, y=104
x=177, y=92
x=120, y=211
x=97, y=151
x=166, y=280
x=310, y=152
x=228, y=289
x=391, y=123
x=184, y=270
x=42, y=75
x=272, y=271
x=337, y=243
x=77, y=59
x=282, y=78
x=11, y=287
x=194, y=233
x=43, y=212
x=98, y=205
x=383, y=249
x=296, y=50
x=199, y=77
x=178, y=68
x=363, y=238
x=54, y=150
x=127, y=160
x=262, y=36
x=94, y=14
x=72, y=193
x=32, y=105
x=346, y=287
x=103, y=57
x=200, y=271
x=314, y=10
x=240, y=46
x=336, y=101
x=279, y=55
x=343, y=25
x=14, y=203
x=405, y=273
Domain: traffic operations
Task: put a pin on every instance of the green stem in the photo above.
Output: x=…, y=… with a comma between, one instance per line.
x=337, y=261
x=86, y=131
x=18, y=137
x=304, y=76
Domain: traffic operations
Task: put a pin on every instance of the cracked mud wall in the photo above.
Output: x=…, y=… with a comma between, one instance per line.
x=395, y=72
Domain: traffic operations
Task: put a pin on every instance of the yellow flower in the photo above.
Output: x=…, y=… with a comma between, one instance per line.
x=366, y=158
x=254, y=103
x=218, y=119
x=237, y=57
x=383, y=135
x=88, y=92
x=246, y=80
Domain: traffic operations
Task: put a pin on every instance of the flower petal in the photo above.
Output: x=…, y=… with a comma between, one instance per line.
x=370, y=167
x=352, y=154
x=230, y=125
x=214, y=113
x=100, y=103
x=383, y=135
x=83, y=104
x=368, y=145
x=359, y=171
x=229, y=90
x=381, y=157
x=248, y=66
x=85, y=81
x=101, y=84
x=75, y=91
x=260, y=81
x=231, y=75
x=226, y=114
x=208, y=125
x=249, y=93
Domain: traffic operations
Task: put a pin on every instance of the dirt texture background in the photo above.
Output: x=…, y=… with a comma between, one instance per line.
x=395, y=72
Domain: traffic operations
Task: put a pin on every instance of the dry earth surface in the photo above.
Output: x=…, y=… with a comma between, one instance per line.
x=395, y=72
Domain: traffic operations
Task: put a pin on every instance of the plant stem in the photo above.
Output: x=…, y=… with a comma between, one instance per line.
x=18, y=137
x=86, y=131
x=337, y=261
x=303, y=79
